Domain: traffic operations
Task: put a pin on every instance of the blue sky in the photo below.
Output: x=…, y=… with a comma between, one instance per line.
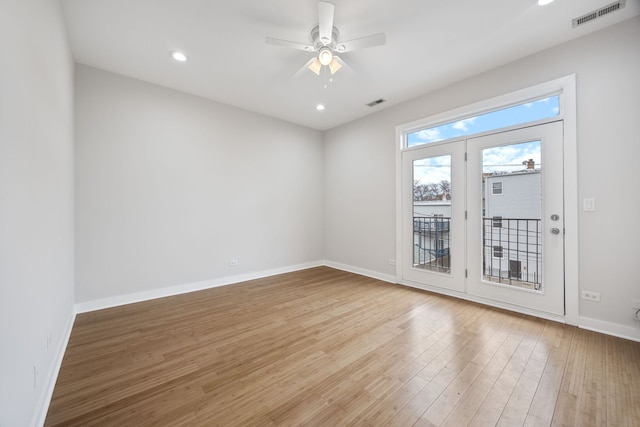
x=523, y=113
x=507, y=158
x=432, y=170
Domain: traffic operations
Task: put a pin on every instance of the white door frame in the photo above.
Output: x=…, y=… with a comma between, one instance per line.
x=566, y=88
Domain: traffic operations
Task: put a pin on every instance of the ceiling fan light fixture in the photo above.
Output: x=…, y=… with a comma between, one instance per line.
x=315, y=66
x=334, y=66
x=325, y=56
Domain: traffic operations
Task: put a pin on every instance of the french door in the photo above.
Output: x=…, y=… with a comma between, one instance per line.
x=433, y=215
x=484, y=217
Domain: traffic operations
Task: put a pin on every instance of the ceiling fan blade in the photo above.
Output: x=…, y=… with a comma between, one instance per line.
x=362, y=43
x=287, y=43
x=325, y=21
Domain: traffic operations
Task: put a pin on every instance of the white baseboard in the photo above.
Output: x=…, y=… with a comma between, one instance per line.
x=614, y=329
x=601, y=326
x=47, y=391
x=486, y=301
x=87, y=306
x=361, y=271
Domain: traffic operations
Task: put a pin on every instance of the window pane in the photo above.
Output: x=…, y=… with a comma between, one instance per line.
x=512, y=206
x=432, y=213
x=517, y=114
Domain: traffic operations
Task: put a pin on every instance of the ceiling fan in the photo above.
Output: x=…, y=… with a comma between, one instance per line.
x=325, y=40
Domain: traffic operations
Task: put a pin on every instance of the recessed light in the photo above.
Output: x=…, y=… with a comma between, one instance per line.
x=320, y=107
x=178, y=56
x=544, y=2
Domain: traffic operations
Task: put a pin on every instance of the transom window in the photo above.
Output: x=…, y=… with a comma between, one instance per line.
x=530, y=111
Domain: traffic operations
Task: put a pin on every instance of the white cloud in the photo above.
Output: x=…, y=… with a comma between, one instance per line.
x=463, y=125
x=430, y=135
x=509, y=158
x=432, y=169
x=537, y=101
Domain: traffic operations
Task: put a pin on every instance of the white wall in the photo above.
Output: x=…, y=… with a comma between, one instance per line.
x=36, y=204
x=360, y=167
x=171, y=187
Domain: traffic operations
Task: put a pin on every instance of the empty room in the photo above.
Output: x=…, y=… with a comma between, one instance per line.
x=302, y=212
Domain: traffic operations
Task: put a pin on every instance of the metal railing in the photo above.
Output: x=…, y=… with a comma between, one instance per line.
x=512, y=251
x=431, y=243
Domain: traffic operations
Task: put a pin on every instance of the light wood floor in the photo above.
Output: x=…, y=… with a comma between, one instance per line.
x=325, y=347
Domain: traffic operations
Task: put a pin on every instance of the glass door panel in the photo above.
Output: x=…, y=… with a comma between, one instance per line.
x=433, y=216
x=511, y=218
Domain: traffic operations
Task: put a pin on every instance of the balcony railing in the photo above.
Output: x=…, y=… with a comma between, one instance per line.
x=512, y=251
x=431, y=224
x=431, y=243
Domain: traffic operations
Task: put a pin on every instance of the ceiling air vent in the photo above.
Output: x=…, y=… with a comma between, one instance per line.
x=376, y=102
x=598, y=13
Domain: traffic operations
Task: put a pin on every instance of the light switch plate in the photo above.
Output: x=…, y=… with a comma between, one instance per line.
x=589, y=205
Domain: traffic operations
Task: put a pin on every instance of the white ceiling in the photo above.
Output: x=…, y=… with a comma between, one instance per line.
x=430, y=43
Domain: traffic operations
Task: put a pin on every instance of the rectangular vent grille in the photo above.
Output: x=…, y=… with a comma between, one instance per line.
x=376, y=102
x=598, y=13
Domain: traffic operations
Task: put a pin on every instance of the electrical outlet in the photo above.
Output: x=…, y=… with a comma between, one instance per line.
x=233, y=262
x=591, y=296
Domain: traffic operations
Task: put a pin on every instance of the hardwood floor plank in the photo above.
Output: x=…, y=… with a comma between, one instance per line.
x=326, y=347
x=517, y=407
x=497, y=399
x=487, y=397
x=545, y=399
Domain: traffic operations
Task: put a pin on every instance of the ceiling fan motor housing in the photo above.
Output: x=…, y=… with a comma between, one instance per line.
x=315, y=38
